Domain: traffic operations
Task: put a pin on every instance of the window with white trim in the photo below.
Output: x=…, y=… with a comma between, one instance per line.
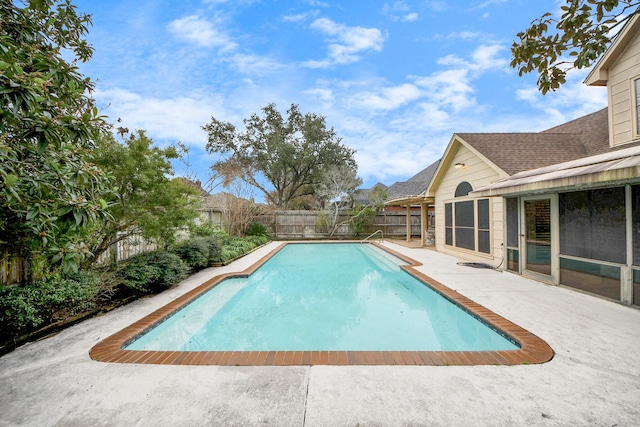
x=467, y=222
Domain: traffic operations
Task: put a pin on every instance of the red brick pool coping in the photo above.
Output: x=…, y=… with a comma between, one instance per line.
x=532, y=349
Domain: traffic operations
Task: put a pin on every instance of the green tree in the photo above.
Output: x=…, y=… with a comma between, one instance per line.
x=361, y=217
x=147, y=201
x=49, y=191
x=335, y=190
x=551, y=46
x=282, y=157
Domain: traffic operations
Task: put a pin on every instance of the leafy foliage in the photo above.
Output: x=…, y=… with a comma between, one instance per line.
x=336, y=188
x=282, y=157
x=583, y=32
x=49, y=189
x=152, y=271
x=257, y=229
x=194, y=252
x=147, y=201
x=361, y=217
x=23, y=308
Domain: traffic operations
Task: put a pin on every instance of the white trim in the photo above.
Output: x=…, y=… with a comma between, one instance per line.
x=634, y=99
x=626, y=274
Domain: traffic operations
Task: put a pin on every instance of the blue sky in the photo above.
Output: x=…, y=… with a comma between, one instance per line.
x=395, y=79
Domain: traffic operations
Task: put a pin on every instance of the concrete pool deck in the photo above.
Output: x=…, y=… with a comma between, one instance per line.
x=593, y=379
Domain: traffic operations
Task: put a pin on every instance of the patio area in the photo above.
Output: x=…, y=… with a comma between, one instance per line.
x=593, y=379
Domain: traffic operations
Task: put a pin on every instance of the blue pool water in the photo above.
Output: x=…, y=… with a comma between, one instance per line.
x=351, y=297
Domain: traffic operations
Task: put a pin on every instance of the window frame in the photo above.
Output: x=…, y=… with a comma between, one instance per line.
x=634, y=99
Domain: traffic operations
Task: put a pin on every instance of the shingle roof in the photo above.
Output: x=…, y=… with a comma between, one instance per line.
x=405, y=188
x=425, y=174
x=414, y=185
x=361, y=197
x=517, y=152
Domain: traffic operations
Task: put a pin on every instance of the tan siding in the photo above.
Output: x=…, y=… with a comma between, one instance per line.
x=621, y=109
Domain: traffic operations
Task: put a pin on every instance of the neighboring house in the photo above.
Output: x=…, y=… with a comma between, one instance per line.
x=561, y=206
x=362, y=197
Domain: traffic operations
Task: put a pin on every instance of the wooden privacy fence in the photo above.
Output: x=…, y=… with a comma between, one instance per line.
x=133, y=245
x=11, y=268
x=14, y=269
x=309, y=225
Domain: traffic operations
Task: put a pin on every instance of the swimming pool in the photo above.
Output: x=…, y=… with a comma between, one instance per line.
x=365, y=309
x=349, y=297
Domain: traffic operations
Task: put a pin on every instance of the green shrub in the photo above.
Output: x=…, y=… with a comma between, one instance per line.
x=152, y=271
x=19, y=309
x=256, y=229
x=214, y=249
x=205, y=229
x=194, y=252
x=229, y=253
x=58, y=297
x=257, y=240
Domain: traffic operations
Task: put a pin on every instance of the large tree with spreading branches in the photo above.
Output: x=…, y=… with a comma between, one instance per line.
x=551, y=46
x=283, y=157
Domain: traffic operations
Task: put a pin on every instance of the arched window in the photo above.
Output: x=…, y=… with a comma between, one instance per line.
x=463, y=189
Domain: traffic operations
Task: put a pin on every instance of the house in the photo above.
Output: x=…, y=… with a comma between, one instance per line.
x=561, y=206
x=362, y=197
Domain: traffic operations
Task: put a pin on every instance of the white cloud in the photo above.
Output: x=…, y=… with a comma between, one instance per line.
x=254, y=64
x=201, y=32
x=571, y=100
x=489, y=3
x=300, y=17
x=410, y=17
x=399, y=11
x=450, y=88
x=171, y=120
x=387, y=98
x=483, y=58
x=346, y=43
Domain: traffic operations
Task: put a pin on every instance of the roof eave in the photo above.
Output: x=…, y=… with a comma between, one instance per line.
x=599, y=75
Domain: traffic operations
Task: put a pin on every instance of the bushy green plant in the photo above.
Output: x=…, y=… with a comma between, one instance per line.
x=206, y=229
x=57, y=297
x=152, y=271
x=361, y=219
x=256, y=229
x=214, y=249
x=257, y=240
x=18, y=309
x=194, y=252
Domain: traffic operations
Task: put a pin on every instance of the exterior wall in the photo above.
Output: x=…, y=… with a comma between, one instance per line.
x=622, y=110
x=477, y=173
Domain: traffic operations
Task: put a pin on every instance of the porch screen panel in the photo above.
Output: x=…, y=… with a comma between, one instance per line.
x=465, y=223
x=592, y=224
x=512, y=222
x=484, y=241
x=448, y=224
x=513, y=255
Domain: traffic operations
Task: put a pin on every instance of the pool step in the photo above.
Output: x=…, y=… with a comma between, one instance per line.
x=385, y=261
